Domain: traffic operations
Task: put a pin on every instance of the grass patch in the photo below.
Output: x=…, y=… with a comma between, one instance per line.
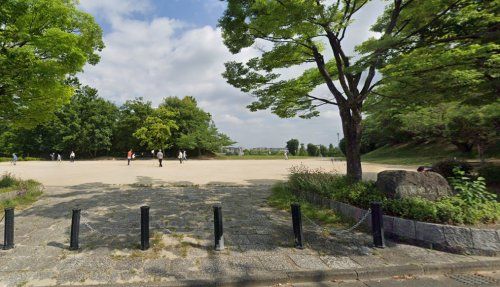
x=414, y=154
x=28, y=191
x=423, y=153
x=282, y=197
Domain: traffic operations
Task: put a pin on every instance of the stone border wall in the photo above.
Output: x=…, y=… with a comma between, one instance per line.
x=456, y=239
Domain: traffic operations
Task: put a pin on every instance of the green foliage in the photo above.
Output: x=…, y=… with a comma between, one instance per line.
x=92, y=126
x=323, y=151
x=461, y=62
x=302, y=150
x=334, y=186
x=312, y=149
x=464, y=126
x=156, y=131
x=131, y=117
x=445, y=85
x=84, y=125
x=447, y=167
x=28, y=191
x=293, y=146
x=43, y=42
x=490, y=172
x=7, y=180
x=471, y=191
x=195, y=128
x=463, y=208
x=342, y=146
x=282, y=198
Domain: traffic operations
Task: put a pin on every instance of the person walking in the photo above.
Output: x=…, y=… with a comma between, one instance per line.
x=14, y=158
x=159, y=155
x=72, y=156
x=180, y=156
x=153, y=153
x=129, y=156
x=59, y=157
x=52, y=156
x=184, y=155
x=286, y=154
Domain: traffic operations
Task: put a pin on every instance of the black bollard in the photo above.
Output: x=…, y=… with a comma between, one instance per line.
x=75, y=230
x=8, y=238
x=144, y=227
x=218, y=228
x=377, y=225
x=297, y=225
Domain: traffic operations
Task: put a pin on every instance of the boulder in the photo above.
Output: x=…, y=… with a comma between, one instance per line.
x=406, y=184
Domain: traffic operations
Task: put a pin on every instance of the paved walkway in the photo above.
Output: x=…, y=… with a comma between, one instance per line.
x=258, y=239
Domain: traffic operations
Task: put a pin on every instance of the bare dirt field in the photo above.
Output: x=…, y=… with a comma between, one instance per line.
x=192, y=172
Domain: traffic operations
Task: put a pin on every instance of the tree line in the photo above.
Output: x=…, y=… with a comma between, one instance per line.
x=92, y=126
x=296, y=148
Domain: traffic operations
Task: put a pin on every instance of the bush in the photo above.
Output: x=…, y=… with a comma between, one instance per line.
x=491, y=173
x=445, y=167
x=7, y=180
x=471, y=191
x=473, y=203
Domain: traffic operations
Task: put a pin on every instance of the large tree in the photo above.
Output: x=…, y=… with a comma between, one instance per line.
x=195, y=129
x=42, y=42
x=132, y=116
x=308, y=31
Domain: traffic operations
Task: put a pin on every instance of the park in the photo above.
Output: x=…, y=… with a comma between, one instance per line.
x=297, y=143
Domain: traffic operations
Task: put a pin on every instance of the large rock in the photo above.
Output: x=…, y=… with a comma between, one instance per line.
x=406, y=184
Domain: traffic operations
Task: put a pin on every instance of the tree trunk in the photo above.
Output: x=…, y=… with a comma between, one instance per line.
x=351, y=125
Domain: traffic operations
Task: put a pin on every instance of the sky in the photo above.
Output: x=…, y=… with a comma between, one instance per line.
x=160, y=48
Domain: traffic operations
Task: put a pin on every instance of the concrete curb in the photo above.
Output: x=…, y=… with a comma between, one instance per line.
x=323, y=275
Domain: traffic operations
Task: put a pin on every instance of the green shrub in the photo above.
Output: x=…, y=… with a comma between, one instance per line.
x=471, y=205
x=471, y=191
x=445, y=167
x=7, y=180
x=491, y=173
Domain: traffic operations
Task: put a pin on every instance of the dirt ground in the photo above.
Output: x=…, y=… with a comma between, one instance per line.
x=191, y=172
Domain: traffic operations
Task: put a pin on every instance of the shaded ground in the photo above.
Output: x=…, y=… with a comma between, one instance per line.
x=228, y=172
x=457, y=280
x=258, y=239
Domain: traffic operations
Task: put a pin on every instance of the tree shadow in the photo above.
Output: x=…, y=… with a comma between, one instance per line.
x=111, y=220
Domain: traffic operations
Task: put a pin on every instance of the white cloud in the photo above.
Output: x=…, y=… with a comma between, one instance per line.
x=163, y=57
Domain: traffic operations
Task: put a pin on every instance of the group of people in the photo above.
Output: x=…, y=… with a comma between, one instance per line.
x=58, y=157
x=182, y=156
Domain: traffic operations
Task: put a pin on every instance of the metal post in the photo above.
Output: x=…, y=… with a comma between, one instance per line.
x=218, y=228
x=9, y=229
x=75, y=230
x=297, y=225
x=377, y=225
x=144, y=227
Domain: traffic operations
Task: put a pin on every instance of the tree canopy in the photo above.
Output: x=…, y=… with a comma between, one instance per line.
x=42, y=42
x=424, y=35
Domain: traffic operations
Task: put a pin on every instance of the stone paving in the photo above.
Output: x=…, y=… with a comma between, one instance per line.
x=258, y=239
